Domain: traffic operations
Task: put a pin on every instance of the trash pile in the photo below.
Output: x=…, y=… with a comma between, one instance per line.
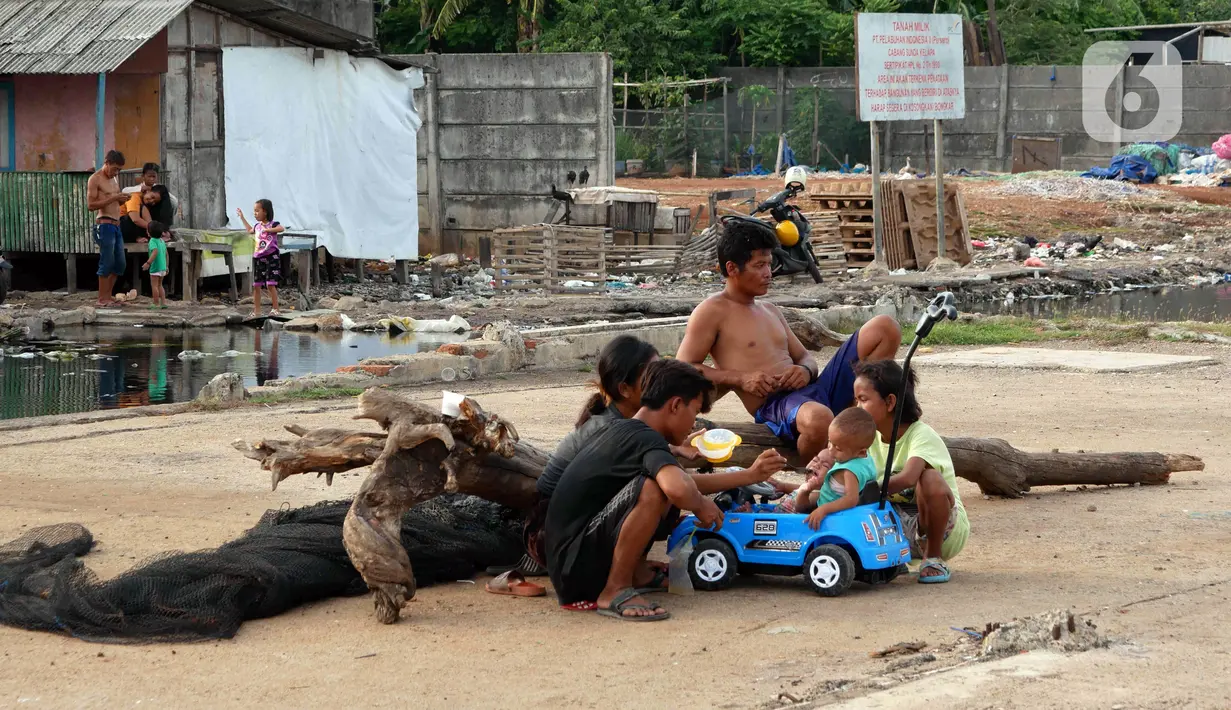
x=1170, y=164
x=1069, y=186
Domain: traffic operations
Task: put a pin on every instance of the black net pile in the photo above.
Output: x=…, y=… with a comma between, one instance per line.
x=290, y=557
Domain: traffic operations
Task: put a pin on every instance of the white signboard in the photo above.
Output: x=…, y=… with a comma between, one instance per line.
x=909, y=67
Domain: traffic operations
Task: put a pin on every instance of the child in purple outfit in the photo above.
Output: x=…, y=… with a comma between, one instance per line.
x=266, y=261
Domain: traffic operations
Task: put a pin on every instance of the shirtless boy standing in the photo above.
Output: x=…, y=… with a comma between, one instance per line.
x=103, y=194
x=755, y=353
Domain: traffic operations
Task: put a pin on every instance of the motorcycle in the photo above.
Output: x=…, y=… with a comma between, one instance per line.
x=794, y=253
x=6, y=278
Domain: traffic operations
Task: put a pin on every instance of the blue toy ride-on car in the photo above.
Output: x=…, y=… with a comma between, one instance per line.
x=865, y=543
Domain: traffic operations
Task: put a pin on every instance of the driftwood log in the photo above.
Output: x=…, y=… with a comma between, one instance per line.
x=999, y=469
x=421, y=454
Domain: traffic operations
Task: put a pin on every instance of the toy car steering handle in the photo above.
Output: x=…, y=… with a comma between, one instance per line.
x=942, y=307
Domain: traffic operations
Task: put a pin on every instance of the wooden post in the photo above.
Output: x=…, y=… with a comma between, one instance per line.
x=435, y=187
x=940, y=189
x=878, y=247
x=624, y=119
x=359, y=269
x=438, y=280
x=781, y=150
x=229, y=258
x=70, y=271
x=303, y=265
x=401, y=271
x=726, y=136
x=328, y=266
x=316, y=265
x=100, y=119
x=694, y=163
x=188, y=290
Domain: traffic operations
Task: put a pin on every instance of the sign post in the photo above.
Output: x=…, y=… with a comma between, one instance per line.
x=909, y=67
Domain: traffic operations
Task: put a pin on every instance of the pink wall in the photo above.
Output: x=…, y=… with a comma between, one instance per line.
x=55, y=121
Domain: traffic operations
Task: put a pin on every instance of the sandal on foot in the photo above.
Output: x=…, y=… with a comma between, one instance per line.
x=622, y=602
x=934, y=563
x=275, y=312
x=512, y=584
x=580, y=606
x=658, y=583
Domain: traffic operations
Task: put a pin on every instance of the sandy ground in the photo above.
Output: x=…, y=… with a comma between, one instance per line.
x=1143, y=564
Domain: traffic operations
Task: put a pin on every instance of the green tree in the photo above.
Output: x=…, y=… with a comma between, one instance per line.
x=1053, y=31
x=643, y=37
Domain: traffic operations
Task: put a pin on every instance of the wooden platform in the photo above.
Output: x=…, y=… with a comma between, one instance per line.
x=191, y=255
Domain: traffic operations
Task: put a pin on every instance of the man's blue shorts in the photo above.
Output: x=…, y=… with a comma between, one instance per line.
x=110, y=249
x=834, y=388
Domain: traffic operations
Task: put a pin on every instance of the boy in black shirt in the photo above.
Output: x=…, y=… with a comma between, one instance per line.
x=625, y=489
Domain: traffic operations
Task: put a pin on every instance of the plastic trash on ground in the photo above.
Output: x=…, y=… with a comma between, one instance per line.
x=454, y=324
x=678, y=581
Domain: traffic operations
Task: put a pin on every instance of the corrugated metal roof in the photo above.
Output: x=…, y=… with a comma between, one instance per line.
x=78, y=36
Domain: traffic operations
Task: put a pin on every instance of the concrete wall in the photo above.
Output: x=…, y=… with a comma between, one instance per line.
x=498, y=130
x=192, y=108
x=1001, y=102
x=358, y=16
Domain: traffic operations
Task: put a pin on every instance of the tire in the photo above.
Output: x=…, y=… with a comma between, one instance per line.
x=814, y=272
x=830, y=570
x=713, y=565
x=880, y=576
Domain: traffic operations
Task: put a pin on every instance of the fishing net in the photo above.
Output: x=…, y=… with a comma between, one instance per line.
x=290, y=557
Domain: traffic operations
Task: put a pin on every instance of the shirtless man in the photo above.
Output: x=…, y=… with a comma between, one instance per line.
x=104, y=195
x=756, y=354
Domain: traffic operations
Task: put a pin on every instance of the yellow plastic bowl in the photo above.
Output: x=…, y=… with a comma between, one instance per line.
x=717, y=455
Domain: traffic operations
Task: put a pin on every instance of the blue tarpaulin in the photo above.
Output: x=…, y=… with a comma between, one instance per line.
x=1125, y=167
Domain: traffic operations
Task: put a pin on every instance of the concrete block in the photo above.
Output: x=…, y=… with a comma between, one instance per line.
x=349, y=303
x=573, y=350
x=373, y=370
x=227, y=388
x=312, y=381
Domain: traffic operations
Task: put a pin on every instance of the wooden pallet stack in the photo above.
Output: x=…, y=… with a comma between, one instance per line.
x=546, y=256
x=854, y=221
x=826, y=240
x=908, y=215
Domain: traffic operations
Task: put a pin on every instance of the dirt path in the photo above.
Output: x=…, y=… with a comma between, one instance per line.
x=145, y=486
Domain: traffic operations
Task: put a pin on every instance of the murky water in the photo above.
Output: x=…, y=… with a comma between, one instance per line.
x=106, y=368
x=1169, y=303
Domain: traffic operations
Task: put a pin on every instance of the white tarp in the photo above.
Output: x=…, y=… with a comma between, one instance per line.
x=330, y=141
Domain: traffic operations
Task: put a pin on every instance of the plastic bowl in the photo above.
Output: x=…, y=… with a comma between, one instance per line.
x=717, y=446
x=451, y=403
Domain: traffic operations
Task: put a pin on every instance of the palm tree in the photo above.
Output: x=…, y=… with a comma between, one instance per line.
x=528, y=16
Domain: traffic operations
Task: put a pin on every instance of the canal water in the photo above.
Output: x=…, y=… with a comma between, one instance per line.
x=103, y=368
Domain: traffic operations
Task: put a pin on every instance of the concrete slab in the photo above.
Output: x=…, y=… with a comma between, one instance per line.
x=1070, y=360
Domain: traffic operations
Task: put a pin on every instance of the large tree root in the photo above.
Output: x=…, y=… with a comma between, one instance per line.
x=421, y=455
x=999, y=469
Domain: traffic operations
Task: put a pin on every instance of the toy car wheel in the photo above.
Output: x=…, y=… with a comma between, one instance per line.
x=830, y=569
x=713, y=565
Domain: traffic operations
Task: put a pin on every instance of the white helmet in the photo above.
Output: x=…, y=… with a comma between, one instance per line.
x=796, y=174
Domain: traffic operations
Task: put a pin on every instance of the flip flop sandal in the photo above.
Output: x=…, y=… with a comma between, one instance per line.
x=512, y=584
x=621, y=602
x=934, y=563
x=580, y=606
x=658, y=583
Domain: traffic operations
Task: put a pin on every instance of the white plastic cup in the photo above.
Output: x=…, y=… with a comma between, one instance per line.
x=451, y=403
